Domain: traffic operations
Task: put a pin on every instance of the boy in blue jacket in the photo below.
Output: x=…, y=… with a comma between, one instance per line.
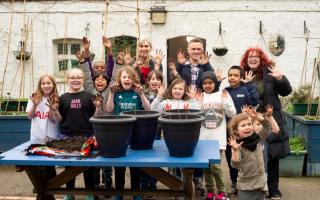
x=243, y=93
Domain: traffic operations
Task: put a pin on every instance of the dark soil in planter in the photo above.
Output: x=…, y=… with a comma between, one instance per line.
x=183, y=111
x=144, y=129
x=181, y=133
x=69, y=144
x=113, y=134
x=220, y=51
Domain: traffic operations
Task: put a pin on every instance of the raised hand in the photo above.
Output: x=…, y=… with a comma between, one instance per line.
x=192, y=92
x=248, y=77
x=181, y=56
x=138, y=88
x=53, y=102
x=233, y=143
x=224, y=95
x=97, y=100
x=35, y=98
x=141, y=60
x=274, y=72
x=80, y=56
x=127, y=58
x=86, y=47
x=269, y=110
x=218, y=73
x=114, y=87
x=161, y=90
x=159, y=56
x=172, y=66
x=106, y=42
x=199, y=95
x=205, y=58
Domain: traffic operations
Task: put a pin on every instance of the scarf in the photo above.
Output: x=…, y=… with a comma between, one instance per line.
x=250, y=142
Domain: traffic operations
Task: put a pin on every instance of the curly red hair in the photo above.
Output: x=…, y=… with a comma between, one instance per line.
x=264, y=61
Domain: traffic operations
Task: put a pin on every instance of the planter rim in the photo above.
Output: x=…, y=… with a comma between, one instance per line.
x=115, y=119
x=152, y=114
x=13, y=117
x=190, y=112
x=298, y=153
x=163, y=119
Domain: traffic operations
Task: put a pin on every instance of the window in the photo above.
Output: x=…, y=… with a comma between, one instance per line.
x=65, y=50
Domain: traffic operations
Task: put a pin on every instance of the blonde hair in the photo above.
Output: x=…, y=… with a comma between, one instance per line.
x=54, y=89
x=132, y=74
x=145, y=40
x=233, y=123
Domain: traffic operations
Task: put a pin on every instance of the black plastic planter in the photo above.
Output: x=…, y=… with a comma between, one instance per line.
x=183, y=112
x=113, y=134
x=220, y=51
x=181, y=133
x=144, y=129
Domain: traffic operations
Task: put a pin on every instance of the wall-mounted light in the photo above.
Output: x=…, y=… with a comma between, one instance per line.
x=158, y=14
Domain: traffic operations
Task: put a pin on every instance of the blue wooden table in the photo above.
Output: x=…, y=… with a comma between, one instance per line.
x=149, y=161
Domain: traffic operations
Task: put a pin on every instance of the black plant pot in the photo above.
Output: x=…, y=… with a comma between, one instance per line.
x=181, y=133
x=220, y=51
x=144, y=129
x=113, y=134
x=183, y=111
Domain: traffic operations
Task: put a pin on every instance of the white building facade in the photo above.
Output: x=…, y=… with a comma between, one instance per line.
x=52, y=22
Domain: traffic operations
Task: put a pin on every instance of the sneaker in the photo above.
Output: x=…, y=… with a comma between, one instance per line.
x=275, y=197
x=199, y=186
x=221, y=196
x=210, y=196
x=233, y=190
x=89, y=197
x=68, y=197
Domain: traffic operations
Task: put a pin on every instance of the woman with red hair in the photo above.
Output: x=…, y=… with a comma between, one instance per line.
x=270, y=83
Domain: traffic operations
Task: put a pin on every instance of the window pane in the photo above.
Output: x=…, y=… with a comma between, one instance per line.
x=74, y=63
x=75, y=48
x=62, y=49
x=63, y=65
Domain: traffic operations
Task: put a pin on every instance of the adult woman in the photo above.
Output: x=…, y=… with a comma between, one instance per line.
x=270, y=83
x=145, y=63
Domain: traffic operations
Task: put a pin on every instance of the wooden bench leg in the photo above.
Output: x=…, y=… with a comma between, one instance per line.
x=188, y=184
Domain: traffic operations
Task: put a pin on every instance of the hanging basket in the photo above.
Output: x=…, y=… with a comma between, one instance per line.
x=220, y=49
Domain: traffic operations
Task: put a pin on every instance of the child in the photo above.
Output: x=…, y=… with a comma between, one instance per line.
x=258, y=127
x=154, y=80
x=247, y=154
x=125, y=95
x=178, y=97
x=242, y=93
x=76, y=107
x=217, y=105
x=41, y=109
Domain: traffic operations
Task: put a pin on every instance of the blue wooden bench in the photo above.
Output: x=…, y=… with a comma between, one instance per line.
x=149, y=161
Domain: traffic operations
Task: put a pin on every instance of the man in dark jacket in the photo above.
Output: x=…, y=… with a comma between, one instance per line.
x=191, y=70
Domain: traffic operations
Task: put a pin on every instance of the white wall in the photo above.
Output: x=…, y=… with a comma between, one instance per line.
x=240, y=23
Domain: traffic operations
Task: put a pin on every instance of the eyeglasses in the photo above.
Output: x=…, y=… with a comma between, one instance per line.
x=253, y=56
x=75, y=78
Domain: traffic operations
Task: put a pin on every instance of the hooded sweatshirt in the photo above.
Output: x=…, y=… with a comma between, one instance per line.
x=215, y=107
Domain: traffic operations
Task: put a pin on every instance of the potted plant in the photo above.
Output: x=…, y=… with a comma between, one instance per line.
x=301, y=98
x=181, y=133
x=292, y=165
x=144, y=129
x=14, y=123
